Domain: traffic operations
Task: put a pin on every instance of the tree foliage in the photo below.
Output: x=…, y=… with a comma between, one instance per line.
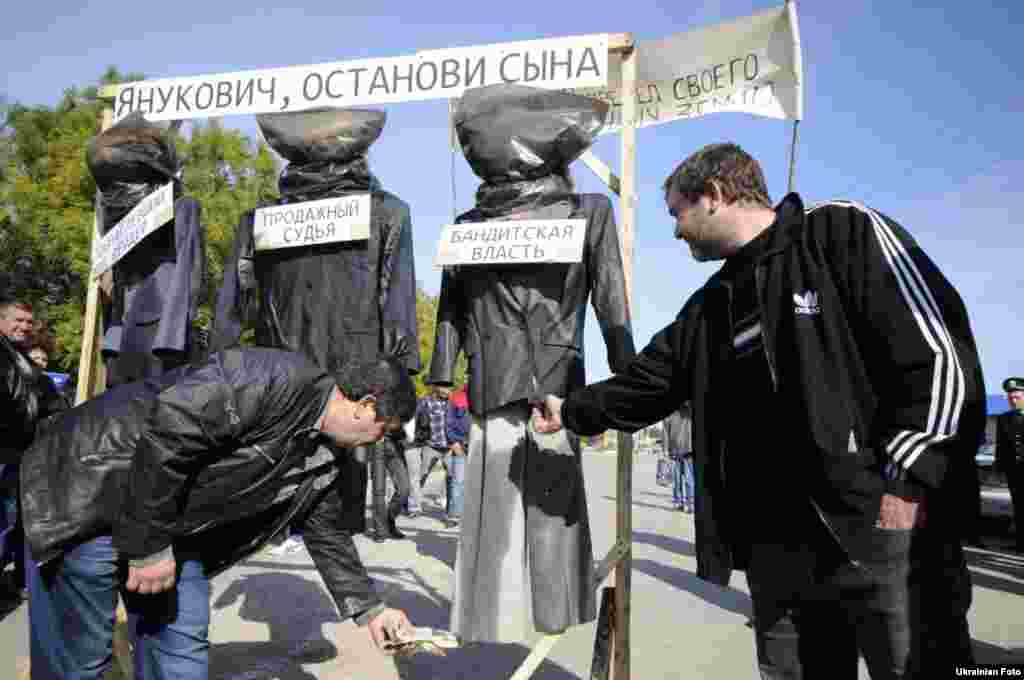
x=47, y=202
x=47, y=210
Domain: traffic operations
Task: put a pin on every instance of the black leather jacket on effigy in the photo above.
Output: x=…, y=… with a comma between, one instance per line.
x=521, y=326
x=203, y=458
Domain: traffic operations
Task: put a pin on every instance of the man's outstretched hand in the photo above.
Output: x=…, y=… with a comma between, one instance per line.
x=547, y=415
x=152, y=578
x=389, y=628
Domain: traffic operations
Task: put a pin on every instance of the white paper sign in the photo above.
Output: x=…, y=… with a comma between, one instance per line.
x=751, y=65
x=580, y=61
x=152, y=212
x=346, y=218
x=511, y=242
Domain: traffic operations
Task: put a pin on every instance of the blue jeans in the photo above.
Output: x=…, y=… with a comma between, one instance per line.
x=72, y=602
x=454, y=484
x=11, y=532
x=682, y=483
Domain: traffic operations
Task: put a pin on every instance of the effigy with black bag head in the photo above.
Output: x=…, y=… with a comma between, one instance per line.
x=333, y=300
x=158, y=283
x=520, y=325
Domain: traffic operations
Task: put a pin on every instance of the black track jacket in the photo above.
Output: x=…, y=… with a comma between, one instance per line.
x=873, y=363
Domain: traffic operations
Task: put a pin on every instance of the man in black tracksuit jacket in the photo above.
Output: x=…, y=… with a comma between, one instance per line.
x=847, y=490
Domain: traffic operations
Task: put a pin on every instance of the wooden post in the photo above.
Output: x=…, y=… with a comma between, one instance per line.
x=624, y=494
x=92, y=377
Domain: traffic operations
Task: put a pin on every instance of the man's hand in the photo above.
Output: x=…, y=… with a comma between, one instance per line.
x=389, y=627
x=900, y=513
x=152, y=578
x=456, y=448
x=547, y=419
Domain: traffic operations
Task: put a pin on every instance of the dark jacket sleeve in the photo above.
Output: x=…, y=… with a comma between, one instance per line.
x=237, y=299
x=914, y=334
x=653, y=385
x=449, y=333
x=336, y=556
x=608, y=284
x=398, y=295
x=182, y=300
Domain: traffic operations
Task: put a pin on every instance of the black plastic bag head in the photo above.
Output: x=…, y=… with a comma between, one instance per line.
x=325, y=134
x=512, y=132
x=135, y=151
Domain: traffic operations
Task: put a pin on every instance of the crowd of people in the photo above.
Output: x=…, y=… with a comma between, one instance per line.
x=854, y=347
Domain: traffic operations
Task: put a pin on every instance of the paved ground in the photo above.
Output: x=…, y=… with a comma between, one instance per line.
x=272, y=619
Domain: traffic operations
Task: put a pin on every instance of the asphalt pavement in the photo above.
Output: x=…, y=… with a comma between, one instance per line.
x=273, y=619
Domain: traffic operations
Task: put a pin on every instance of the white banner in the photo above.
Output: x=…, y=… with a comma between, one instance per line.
x=152, y=212
x=556, y=63
x=330, y=220
x=511, y=242
x=751, y=65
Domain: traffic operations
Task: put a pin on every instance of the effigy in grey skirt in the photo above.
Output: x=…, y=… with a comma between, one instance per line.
x=525, y=562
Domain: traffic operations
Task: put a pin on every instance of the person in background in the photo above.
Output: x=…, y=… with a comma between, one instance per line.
x=1010, y=452
x=388, y=459
x=27, y=396
x=455, y=460
x=679, y=443
x=430, y=444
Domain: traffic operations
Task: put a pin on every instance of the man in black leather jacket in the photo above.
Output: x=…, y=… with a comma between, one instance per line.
x=166, y=482
x=26, y=396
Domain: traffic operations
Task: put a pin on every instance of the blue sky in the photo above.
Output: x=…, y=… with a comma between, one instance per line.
x=914, y=108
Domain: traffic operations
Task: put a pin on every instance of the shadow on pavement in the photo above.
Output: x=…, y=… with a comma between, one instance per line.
x=294, y=609
x=9, y=605
x=666, y=508
x=725, y=598
x=996, y=569
x=478, y=660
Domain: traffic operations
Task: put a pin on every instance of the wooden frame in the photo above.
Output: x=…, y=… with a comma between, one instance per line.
x=92, y=378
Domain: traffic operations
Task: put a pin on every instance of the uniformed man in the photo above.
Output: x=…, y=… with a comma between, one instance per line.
x=1010, y=451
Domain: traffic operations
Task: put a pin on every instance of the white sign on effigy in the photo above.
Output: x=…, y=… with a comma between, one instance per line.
x=345, y=218
x=151, y=213
x=751, y=65
x=580, y=61
x=511, y=242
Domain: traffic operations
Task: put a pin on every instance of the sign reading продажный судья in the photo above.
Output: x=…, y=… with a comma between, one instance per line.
x=511, y=242
x=152, y=212
x=345, y=218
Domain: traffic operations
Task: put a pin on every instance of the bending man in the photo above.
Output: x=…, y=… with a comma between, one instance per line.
x=154, y=486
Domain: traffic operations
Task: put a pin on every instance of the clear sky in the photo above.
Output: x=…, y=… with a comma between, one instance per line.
x=912, y=107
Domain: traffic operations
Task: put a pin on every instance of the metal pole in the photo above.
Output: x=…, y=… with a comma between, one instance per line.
x=792, y=154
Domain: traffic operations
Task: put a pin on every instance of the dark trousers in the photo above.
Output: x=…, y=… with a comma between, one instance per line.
x=387, y=461
x=355, y=476
x=1016, y=483
x=904, y=611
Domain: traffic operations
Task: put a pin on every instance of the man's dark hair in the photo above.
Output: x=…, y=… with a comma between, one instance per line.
x=386, y=380
x=737, y=174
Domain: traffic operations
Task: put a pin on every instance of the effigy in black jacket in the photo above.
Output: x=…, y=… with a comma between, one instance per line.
x=158, y=284
x=199, y=458
x=873, y=364
x=333, y=302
